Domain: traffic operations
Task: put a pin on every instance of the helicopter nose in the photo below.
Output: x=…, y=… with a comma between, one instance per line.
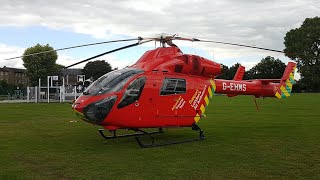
x=78, y=110
x=95, y=112
x=82, y=102
x=98, y=111
x=77, y=107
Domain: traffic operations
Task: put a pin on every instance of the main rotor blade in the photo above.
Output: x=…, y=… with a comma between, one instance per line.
x=72, y=47
x=242, y=45
x=227, y=43
x=108, y=52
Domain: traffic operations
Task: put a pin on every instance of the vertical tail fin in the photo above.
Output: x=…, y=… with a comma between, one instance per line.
x=240, y=73
x=238, y=76
x=286, y=82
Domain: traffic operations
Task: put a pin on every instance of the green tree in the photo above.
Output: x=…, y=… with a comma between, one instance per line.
x=224, y=72
x=267, y=68
x=97, y=68
x=228, y=73
x=303, y=46
x=6, y=88
x=233, y=69
x=41, y=65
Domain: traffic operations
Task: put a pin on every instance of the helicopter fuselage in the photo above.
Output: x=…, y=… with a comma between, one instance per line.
x=166, y=88
x=158, y=105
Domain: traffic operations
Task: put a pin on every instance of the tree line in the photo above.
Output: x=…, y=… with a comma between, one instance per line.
x=267, y=68
x=302, y=45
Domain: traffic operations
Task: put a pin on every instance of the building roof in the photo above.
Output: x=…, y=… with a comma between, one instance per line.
x=15, y=70
x=71, y=72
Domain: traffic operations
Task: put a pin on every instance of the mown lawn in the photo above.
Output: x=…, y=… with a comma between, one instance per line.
x=282, y=140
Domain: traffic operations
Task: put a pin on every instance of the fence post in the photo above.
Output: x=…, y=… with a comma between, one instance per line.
x=64, y=94
x=48, y=95
x=75, y=92
x=39, y=91
x=36, y=94
x=63, y=90
x=28, y=94
x=60, y=94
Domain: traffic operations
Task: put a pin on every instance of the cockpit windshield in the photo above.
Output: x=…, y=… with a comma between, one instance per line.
x=112, y=81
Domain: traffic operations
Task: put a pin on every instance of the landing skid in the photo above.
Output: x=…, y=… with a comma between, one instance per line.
x=114, y=136
x=153, y=144
x=138, y=133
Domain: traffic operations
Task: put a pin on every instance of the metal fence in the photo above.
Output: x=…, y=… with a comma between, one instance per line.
x=43, y=94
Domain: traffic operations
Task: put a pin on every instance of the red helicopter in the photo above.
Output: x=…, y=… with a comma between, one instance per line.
x=166, y=88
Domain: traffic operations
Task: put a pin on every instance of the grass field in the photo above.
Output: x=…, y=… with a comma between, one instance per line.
x=282, y=140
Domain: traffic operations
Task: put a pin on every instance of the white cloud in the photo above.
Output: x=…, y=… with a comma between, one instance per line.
x=241, y=21
x=63, y=58
x=67, y=60
x=8, y=52
x=117, y=63
x=261, y=23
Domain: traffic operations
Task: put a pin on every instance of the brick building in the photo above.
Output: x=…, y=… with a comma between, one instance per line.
x=14, y=76
x=70, y=75
x=17, y=76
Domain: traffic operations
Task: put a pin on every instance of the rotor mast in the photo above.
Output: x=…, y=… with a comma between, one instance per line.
x=162, y=41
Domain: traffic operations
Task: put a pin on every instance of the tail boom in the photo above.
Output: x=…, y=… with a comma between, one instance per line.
x=279, y=88
x=254, y=87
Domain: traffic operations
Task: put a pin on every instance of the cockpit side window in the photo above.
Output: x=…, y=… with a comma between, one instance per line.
x=133, y=92
x=173, y=86
x=112, y=81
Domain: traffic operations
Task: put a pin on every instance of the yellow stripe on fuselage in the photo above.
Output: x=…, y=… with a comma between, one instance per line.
x=206, y=99
x=210, y=92
x=211, y=89
x=202, y=108
x=197, y=118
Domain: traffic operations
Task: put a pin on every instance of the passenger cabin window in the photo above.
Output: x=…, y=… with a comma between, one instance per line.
x=133, y=92
x=173, y=86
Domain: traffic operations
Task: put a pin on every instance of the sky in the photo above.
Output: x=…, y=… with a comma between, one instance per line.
x=62, y=23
